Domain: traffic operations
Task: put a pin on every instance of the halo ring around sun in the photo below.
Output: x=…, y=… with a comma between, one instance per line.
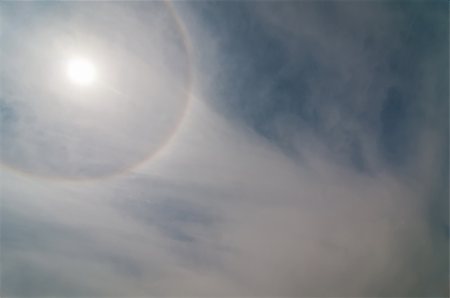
x=81, y=71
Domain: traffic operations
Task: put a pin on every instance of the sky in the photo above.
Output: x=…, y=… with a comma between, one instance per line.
x=225, y=149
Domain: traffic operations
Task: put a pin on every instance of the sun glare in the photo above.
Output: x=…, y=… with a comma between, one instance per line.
x=81, y=71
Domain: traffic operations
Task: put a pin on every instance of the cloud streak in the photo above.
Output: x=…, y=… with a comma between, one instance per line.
x=312, y=162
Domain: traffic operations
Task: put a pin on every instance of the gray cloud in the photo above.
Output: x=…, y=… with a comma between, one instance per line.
x=312, y=161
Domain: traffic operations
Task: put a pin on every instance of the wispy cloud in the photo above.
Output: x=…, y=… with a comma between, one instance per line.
x=312, y=160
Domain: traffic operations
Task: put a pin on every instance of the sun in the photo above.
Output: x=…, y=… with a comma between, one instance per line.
x=81, y=71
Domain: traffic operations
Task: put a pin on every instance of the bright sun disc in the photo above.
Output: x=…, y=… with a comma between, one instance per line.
x=81, y=71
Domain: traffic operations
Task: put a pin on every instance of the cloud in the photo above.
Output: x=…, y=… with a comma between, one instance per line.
x=312, y=161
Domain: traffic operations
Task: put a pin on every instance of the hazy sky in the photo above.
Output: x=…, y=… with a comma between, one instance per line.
x=225, y=149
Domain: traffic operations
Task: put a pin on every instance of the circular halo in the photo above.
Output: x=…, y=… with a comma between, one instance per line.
x=83, y=72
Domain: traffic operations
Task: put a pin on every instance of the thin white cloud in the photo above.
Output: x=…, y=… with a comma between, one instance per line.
x=224, y=211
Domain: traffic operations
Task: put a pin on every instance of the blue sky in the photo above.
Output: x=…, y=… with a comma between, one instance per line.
x=251, y=148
